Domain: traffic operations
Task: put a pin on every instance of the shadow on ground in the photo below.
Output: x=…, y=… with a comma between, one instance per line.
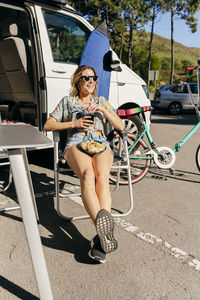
x=161, y=117
x=16, y=290
x=181, y=175
x=64, y=234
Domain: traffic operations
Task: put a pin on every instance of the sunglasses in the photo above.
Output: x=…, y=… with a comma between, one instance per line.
x=87, y=78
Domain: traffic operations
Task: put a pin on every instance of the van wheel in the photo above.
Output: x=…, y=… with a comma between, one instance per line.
x=175, y=108
x=133, y=125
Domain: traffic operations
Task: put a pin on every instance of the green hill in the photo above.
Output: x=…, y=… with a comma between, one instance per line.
x=183, y=57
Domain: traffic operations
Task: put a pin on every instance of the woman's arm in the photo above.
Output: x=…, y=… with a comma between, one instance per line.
x=52, y=124
x=112, y=117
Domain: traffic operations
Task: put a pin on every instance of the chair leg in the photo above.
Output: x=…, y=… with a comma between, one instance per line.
x=7, y=209
x=57, y=188
x=129, y=183
x=4, y=189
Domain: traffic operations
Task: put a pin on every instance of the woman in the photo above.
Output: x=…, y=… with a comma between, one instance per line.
x=73, y=114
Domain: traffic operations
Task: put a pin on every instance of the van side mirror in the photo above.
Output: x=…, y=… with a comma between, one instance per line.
x=109, y=64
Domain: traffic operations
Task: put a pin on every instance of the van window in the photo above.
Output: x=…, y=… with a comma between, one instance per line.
x=67, y=37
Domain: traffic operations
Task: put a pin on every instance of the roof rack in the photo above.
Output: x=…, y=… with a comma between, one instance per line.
x=51, y=2
x=55, y=3
x=48, y=2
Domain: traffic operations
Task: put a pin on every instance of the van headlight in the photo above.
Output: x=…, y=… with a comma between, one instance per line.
x=146, y=90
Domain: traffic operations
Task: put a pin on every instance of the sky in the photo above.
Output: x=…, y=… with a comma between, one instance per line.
x=182, y=32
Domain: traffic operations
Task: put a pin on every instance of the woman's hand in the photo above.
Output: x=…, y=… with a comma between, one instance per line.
x=112, y=117
x=84, y=122
x=95, y=107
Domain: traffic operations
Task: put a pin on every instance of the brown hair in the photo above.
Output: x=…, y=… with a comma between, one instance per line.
x=75, y=80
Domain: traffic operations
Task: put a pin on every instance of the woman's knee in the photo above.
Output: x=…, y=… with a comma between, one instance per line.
x=102, y=179
x=88, y=177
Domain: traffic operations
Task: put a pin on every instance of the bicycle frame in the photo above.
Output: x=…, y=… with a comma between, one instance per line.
x=147, y=150
x=152, y=144
x=197, y=126
x=189, y=134
x=176, y=148
x=149, y=137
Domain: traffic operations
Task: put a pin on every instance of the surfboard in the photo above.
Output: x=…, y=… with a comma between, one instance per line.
x=97, y=46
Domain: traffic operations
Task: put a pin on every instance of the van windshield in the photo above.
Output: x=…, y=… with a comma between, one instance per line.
x=67, y=37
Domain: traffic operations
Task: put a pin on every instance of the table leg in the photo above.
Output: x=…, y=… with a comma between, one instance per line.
x=25, y=195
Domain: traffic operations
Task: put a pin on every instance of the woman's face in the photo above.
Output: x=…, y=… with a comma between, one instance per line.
x=87, y=86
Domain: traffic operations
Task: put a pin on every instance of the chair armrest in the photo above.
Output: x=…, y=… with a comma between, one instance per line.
x=123, y=135
x=56, y=135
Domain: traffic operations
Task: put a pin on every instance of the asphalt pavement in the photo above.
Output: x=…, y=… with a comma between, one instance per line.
x=159, y=242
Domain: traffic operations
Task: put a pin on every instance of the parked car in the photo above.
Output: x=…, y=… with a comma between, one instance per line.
x=175, y=98
x=165, y=87
x=40, y=48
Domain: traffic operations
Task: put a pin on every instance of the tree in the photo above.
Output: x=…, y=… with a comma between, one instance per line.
x=155, y=6
x=156, y=62
x=97, y=11
x=185, y=9
x=186, y=63
x=136, y=14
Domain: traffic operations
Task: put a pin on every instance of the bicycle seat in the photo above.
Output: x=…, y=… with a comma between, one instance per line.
x=133, y=111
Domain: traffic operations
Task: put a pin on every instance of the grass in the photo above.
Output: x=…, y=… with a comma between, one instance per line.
x=161, y=47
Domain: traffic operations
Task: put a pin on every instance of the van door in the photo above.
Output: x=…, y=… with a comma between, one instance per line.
x=19, y=101
x=63, y=37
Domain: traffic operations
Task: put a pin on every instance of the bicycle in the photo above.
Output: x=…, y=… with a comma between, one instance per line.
x=141, y=155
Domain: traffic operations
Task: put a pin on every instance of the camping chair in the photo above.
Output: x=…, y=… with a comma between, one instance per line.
x=4, y=156
x=4, y=188
x=4, y=161
x=119, y=164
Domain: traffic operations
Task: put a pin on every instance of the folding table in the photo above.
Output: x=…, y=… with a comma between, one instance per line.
x=15, y=139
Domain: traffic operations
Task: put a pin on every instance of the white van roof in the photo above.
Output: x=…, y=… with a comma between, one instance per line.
x=62, y=3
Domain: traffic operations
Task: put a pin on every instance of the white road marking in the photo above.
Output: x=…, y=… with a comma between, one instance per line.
x=149, y=238
x=183, y=256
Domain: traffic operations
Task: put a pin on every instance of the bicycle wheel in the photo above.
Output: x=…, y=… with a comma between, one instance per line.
x=198, y=157
x=139, y=166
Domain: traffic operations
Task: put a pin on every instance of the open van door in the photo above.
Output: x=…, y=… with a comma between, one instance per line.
x=19, y=93
x=63, y=37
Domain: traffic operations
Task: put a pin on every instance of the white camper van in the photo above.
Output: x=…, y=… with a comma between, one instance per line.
x=40, y=47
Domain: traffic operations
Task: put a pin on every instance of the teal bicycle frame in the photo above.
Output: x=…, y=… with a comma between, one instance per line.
x=197, y=126
x=150, y=139
x=190, y=133
x=143, y=151
x=146, y=132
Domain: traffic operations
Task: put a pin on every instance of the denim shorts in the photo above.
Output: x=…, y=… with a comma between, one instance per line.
x=78, y=138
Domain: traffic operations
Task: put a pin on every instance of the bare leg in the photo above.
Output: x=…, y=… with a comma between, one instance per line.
x=93, y=173
x=102, y=164
x=81, y=164
x=104, y=222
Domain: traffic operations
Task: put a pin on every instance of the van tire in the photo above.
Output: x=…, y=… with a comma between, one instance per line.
x=133, y=125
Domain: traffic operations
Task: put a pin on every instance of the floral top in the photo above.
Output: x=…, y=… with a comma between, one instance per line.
x=70, y=109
